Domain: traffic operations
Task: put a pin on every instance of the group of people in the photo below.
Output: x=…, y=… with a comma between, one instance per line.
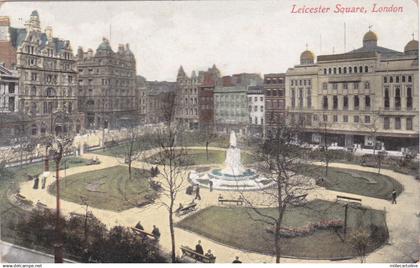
x=199, y=249
x=154, y=171
x=155, y=231
x=36, y=182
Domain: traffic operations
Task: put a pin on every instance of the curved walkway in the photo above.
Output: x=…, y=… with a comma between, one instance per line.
x=401, y=218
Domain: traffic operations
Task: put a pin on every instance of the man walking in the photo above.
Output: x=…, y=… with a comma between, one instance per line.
x=197, y=192
x=394, y=196
x=211, y=185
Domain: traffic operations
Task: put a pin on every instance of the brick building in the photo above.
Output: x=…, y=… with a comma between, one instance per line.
x=274, y=86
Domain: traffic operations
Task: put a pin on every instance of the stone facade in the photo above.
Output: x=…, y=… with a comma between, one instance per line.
x=9, y=90
x=256, y=109
x=107, y=86
x=159, y=101
x=47, y=85
x=141, y=98
x=359, y=96
x=274, y=93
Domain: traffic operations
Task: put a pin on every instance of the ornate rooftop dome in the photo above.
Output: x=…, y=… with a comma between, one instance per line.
x=370, y=36
x=307, y=57
x=413, y=45
x=104, y=45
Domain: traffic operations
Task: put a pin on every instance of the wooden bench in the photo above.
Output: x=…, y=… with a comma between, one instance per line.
x=189, y=252
x=21, y=200
x=41, y=206
x=238, y=201
x=349, y=199
x=187, y=209
x=142, y=233
x=93, y=162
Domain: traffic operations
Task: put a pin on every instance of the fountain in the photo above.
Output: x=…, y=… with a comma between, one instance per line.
x=233, y=176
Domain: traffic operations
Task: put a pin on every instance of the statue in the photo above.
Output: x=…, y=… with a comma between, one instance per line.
x=233, y=158
x=232, y=140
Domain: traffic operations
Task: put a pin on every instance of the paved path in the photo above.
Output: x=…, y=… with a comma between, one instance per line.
x=401, y=218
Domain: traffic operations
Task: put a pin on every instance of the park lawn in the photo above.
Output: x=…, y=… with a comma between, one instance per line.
x=356, y=182
x=238, y=228
x=9, y=183
x=108, y=188
x=199, y=157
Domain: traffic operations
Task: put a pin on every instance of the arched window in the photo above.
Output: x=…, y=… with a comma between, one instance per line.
x=51, y=92
x=360, y=69
x=329, y=70
x=366, y=69
x=345, y=70
x=350, y=70
x=355, y=69
x=339, y=70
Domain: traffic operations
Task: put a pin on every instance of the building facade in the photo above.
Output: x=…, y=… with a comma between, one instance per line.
x=367, y=94
x=107, y=86
x=159, y=101
x=256, y=109
x=9, y=39
x=141, y=98
x=274, y=94
x=47, y=80
x=9, y=90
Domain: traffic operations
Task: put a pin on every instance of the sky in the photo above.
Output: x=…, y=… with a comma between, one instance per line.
x=238, y=36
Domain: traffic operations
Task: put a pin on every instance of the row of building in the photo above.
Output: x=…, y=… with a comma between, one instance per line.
x=353, y=98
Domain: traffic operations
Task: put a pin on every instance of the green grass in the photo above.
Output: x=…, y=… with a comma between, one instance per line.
x=9, y=182
x=237, y=227
x=199, y=157
x=357, y=182
x=113, y=190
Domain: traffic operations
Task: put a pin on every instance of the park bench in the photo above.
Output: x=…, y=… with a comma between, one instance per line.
x=93, y=162
x=189, y=252
x=349, y=199
x=21, y=200
x=142, y=233
x=238, y=201
x=187, y=209
x=41, y=206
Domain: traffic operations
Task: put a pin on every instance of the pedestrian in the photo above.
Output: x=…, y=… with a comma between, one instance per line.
x=394, y=196
x=156, y=232
x=199, y=248
x=44, y=181
x=139, y=226
x=197, y=192
x=236, y=260
x=36, y=182
x=211, y=185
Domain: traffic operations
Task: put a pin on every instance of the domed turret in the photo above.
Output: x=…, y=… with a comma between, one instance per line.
x=370, y=39
x=307, y=57
x=412, y=47
x=104, y=45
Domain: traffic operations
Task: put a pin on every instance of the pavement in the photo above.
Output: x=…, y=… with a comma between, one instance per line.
x=401, y=218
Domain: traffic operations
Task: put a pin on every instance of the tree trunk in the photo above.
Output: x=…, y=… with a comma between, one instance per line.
x=277, y=242
x=207, y=149
x=171, y=228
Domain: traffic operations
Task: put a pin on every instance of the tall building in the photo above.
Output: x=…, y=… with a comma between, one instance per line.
x=47, y=77
x=9, y=90
x=206, y=98
x=367, y=94
x=141, y=98
x=187, y=96
x=159, y=101
x=256, y=109
x=107, y=85
x=9, y=39
x=274, y=87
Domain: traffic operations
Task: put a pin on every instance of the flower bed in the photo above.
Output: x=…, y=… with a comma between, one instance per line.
x=308, y=229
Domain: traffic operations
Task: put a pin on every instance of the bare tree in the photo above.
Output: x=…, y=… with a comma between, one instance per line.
x=282, y=166
x=325, y=146
x=373, y=129
x=172, y=159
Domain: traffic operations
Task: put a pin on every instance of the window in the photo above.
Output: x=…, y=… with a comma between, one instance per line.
x=325, y=70
x=397, y=122
x=335, y=118
x=345, y=70
x=367, y=102
x=34, y=77
x=300, y=98
x=262, y=121
x=335, y=70
x=409, y=99
x=386, y=122
x=308, y=98
x=356, y=103
x=325, y=118
x=366, y=69
x=345, y=102
x=34, y=130
x=403, y=78
x=397, y=99
x=339, y=70
x=391, y=79
x=293, y=98
x=335, y=86
x=386, y=99
x=33, y=91
x=315, y=117
x=360, y=69
x=255, y=108
x=397, y=79
x=367, y=119
x=409, y=79
x=335, y=102
x=367, y=85
x=355, y=69
x=324, y=86
x=356, y=85
x=345, y=86
x=385, y=79
x=325, y=102
x=345, y=118
x=356, y=119
x=409, y=124
x=350, y=70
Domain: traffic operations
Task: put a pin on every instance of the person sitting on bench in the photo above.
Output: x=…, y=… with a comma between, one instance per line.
x=199, y=248
x=156, y=232
x=139, y=226
x=236, y=260
x=179, y=208
x=209, y=255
